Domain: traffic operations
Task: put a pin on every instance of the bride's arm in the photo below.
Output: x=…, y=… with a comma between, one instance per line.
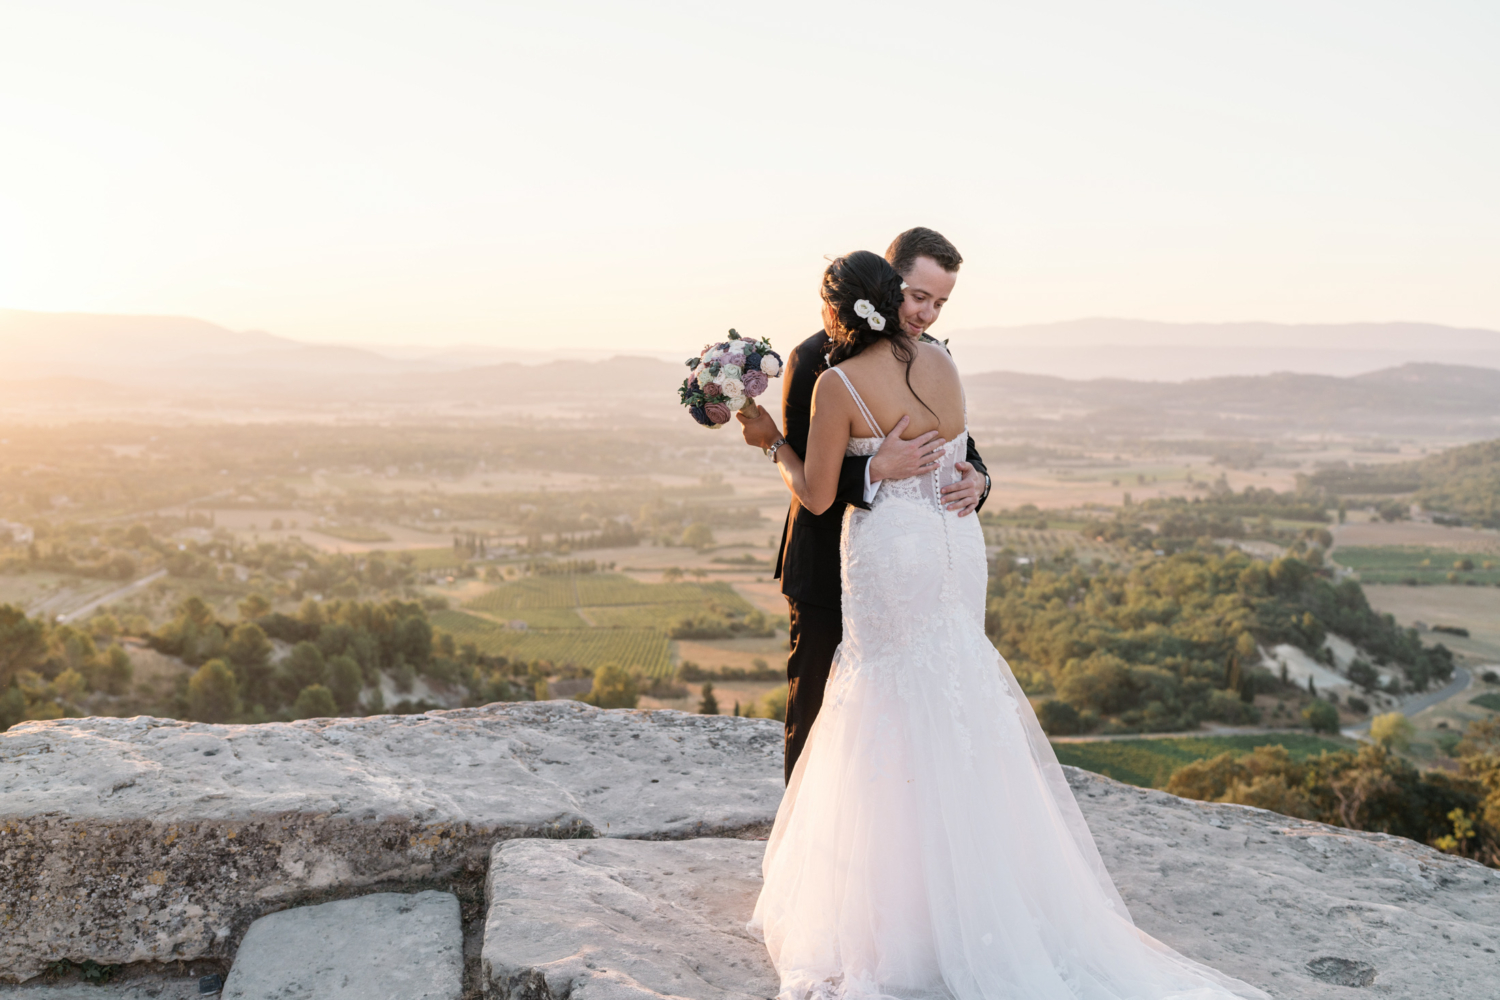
x=815, y=480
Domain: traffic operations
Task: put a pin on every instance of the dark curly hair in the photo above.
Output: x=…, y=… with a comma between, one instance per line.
x=868, y=276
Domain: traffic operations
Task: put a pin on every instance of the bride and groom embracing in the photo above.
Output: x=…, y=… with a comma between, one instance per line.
x=928, y=844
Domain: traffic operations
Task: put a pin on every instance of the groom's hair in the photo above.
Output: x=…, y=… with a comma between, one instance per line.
x=922, y=242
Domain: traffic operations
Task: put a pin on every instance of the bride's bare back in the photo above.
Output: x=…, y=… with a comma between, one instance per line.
x=880, y=378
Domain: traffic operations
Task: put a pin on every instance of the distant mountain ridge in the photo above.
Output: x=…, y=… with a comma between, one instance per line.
x=1173, y=352
x=1099, y=331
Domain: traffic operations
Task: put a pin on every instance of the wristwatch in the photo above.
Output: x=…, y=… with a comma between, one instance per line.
x=986, y=492
x=771, y=451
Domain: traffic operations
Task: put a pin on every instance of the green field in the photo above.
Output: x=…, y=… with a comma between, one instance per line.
x=594, y=590
x=1149, y=763
x=630, y=619
x=637, y=648
x=443, y=558
x=1419, y=564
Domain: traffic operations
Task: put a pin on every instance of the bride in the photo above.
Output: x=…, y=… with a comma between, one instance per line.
x=928, y=845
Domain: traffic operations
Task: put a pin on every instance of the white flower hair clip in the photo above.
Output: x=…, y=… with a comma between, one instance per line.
x=904, y=286
x=865, y=310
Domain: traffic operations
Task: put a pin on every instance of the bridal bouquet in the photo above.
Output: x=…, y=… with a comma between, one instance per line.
x=727, y=377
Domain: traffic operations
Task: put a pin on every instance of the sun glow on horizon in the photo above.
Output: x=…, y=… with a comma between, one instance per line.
x=589, y=174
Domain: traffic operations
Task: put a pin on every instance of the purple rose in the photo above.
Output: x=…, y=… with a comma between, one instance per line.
x=712, y=389
x=755, y=382
x=717, y=413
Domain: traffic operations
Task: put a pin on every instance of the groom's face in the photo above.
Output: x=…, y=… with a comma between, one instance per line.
x=927, y=289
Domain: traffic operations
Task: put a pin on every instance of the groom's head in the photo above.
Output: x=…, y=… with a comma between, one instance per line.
x=928, y=264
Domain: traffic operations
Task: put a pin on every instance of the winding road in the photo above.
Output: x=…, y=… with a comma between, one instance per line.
x=113, y=595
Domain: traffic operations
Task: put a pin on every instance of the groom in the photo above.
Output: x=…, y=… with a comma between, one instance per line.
x=808, y=564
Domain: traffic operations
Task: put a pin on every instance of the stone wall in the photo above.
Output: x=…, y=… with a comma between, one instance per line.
x=151, y=840
x=148, y=840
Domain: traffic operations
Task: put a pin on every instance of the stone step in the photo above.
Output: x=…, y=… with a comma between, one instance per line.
x=147, y=987
x=385, y=946
x=623, y=919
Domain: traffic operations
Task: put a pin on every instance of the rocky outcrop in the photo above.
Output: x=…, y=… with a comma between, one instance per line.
x=141, y=840
x=144, y=840
x=1300, y=909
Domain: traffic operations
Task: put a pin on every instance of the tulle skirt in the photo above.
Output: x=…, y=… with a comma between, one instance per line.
x=928, y=845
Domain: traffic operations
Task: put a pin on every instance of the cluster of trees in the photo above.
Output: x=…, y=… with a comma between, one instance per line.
x=1372, y=788
x=1462, y=483
x=337, y=650
x=1175, y=523
x=1175, y=640
x=47, y=669
x=718, y=622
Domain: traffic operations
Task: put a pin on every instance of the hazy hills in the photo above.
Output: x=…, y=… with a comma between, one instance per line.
x=1141, y=349
x=1427, y=400
x=61, y=366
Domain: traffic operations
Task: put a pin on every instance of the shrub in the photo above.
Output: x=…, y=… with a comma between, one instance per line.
x=1363, y=674
x=1321, y=716
x=1058, y=718
x=115, y=673
x=1358, y=705
x=345, y=681
x=305, y=666
x=614, y=687
x=1392, y=730
x=773, y=705
x=315, y=702
x=214, y=693
x=709, y=705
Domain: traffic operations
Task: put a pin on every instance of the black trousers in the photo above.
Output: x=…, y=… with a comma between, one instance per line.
x=815, y=634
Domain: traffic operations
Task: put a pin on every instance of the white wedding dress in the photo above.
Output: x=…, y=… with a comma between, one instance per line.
x=928, y=845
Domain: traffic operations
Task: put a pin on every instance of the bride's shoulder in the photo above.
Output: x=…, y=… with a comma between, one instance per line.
x=935, y=352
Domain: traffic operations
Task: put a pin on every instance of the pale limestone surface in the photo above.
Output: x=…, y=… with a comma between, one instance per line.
x=140, y=840
x=138, y=846
x=1263, y=897
x=1300, y=909
x=385, y=946
x=142, y=988
x=624, y=920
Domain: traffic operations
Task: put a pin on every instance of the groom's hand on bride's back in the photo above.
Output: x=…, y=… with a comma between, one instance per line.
x=898, y=459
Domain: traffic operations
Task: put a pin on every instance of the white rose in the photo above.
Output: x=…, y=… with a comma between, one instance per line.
x=730, y=372
x=735, y=403
x=732, y=387
x=770, y=366
x=863, y=308
x=876, y=321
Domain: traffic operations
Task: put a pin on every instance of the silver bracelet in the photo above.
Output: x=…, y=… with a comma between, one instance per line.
x=771, y=451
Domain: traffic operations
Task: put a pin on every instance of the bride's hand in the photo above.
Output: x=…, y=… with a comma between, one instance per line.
x=898, y=459
x=760, y=430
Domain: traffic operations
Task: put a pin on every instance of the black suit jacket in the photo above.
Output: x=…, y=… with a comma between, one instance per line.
x=808, y=564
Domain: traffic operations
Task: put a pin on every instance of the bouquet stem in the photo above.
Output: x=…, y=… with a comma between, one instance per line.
x=750, y=410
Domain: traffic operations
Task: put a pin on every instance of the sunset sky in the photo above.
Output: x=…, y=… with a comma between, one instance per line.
x=651, y=173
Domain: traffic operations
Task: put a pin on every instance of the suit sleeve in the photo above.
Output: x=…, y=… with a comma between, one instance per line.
x=852, y=481
x=973, y=459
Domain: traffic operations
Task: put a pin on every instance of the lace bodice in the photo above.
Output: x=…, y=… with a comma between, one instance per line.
x=926, y=490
